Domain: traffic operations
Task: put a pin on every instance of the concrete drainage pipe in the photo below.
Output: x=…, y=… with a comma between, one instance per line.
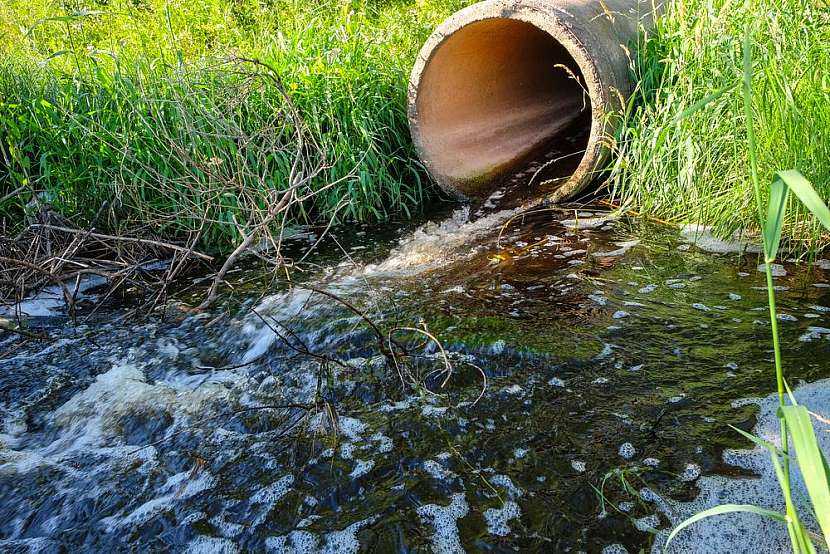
x=515, y=94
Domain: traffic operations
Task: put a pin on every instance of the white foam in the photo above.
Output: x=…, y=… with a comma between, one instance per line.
x=351, y=427
x=506, y=483
x=647, y=523
x=777, y=270
x=347, y=451
x=44, y=353
x=623, y=249
x=271, y=494
x=226, y=528
x=296, y=542
x=437, y=471
x=514, y=390
x=178, y=487
x=51, y=300
x=434, y=411
x=90, y=419
x=598, y=299
x=690, y=473
x=282, y=307
x=702, y=237
x=345, y=541
x=435, y=244
x=627, y=450
x=748, y=532
x=211, y=545
x=815, y=333
x=385, y=444
x=361, y=468
x=444, y=519
x=497, y=518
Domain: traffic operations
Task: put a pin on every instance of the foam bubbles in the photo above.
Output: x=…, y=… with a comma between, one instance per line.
x=361, y=468
x=627, y=450
x=211, y=545
x=702, y=236
x=437, y=243
x=746, y=532
x=578, y=466
x=273, y=493
x=444, y=519
x=814, y=333
x=345, y=541
x=690, y=473
x=497, y=518
x=506, y=483
x=437, y=471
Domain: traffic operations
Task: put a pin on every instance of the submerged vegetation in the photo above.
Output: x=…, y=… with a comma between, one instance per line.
x=681, y=154
x=150, y=114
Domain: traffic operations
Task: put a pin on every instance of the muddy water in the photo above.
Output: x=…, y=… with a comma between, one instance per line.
x=613, y=353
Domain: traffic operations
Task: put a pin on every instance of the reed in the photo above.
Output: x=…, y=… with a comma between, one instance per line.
x=795, y=421
x=683, y=164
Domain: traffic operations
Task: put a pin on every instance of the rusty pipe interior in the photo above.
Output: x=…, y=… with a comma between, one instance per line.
x=516, y=93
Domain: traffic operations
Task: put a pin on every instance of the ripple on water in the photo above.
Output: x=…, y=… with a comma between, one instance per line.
x=73, y=470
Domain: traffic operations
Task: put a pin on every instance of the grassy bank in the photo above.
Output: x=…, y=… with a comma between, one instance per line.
x=139, y=114
x=144, y=107
x=682, y=154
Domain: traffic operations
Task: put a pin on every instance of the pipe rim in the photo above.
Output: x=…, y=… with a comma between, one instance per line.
x=559, y=25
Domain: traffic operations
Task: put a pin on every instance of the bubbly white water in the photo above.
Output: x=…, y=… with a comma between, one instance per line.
x=51, y=300
x=747, y=533
x=431, y=245
x=87, y=426
x=436, y=244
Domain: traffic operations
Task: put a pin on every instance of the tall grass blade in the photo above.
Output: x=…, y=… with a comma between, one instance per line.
x=721, y=510
x=812, y=462
x=775, y=219
x=805, y=192
x=775, y=455
x=799, y=536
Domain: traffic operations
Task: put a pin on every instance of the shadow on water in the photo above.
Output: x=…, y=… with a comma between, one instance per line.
x=608, y=346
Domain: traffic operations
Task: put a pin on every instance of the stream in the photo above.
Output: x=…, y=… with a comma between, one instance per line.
x=579, y=400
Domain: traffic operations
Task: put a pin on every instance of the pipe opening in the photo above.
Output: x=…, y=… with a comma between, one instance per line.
x=497, y=100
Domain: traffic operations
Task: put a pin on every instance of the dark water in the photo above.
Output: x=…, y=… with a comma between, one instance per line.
x=612, y=355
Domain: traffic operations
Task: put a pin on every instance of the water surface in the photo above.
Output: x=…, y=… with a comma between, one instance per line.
x=612, y=350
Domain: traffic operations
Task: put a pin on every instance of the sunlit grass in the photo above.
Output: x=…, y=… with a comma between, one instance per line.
x=134, y=104
x=684, y=164
x=795, y=422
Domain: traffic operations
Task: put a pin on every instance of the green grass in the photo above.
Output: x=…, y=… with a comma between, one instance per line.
x=795, y=421
x=682, y=151
x=133, y=105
